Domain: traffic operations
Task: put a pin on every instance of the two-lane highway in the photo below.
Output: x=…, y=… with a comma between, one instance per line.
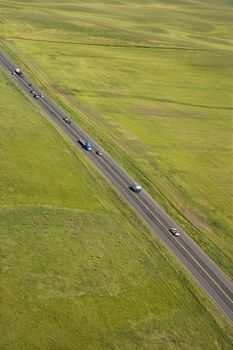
x=202, y=268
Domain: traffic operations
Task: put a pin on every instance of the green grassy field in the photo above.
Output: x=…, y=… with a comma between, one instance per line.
x=79, y=270
x=152, y=82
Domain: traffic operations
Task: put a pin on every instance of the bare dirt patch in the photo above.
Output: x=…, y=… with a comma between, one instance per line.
x=198, y=220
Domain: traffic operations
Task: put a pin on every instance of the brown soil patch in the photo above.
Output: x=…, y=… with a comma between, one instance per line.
x=198, y=220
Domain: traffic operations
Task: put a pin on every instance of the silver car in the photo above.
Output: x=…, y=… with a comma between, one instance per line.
x=174, y=231
x=99, y=153
x=135, y=187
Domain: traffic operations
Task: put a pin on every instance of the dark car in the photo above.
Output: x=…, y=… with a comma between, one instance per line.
x=66, y=120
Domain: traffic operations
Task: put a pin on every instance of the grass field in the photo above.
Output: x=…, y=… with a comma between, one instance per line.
x=151, y=80
x=78, y=269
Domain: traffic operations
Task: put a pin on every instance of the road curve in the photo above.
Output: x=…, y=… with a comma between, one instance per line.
x=209, y=276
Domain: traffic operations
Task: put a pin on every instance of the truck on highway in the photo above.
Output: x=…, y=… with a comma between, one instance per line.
x=86, y=145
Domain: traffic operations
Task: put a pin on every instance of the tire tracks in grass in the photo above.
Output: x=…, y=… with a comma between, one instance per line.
x=181, y=48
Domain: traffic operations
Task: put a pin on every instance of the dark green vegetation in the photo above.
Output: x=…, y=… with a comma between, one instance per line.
x=152, y=82
x=78, y=268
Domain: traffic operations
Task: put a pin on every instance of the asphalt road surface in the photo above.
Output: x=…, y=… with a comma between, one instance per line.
x=202, y=268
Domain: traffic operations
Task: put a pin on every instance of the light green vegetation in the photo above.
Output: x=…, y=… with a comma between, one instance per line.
x=151, y=80
x=79, y=270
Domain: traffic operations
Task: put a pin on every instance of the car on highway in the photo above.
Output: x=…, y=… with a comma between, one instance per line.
x=174, y=231
x=19, y=72
x=29, y=84
x=13, y=73
x=99, y=153
x=66, y=120
x=35, y=94
x=41, y=95
x=135, y=187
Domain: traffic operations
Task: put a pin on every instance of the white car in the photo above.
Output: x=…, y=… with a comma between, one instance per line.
x=174, y=231
x=135, y=187
x=99, y=153
x=19, y=72
x=34, y=94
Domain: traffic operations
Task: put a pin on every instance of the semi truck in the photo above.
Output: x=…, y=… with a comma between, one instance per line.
x=86, y=145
